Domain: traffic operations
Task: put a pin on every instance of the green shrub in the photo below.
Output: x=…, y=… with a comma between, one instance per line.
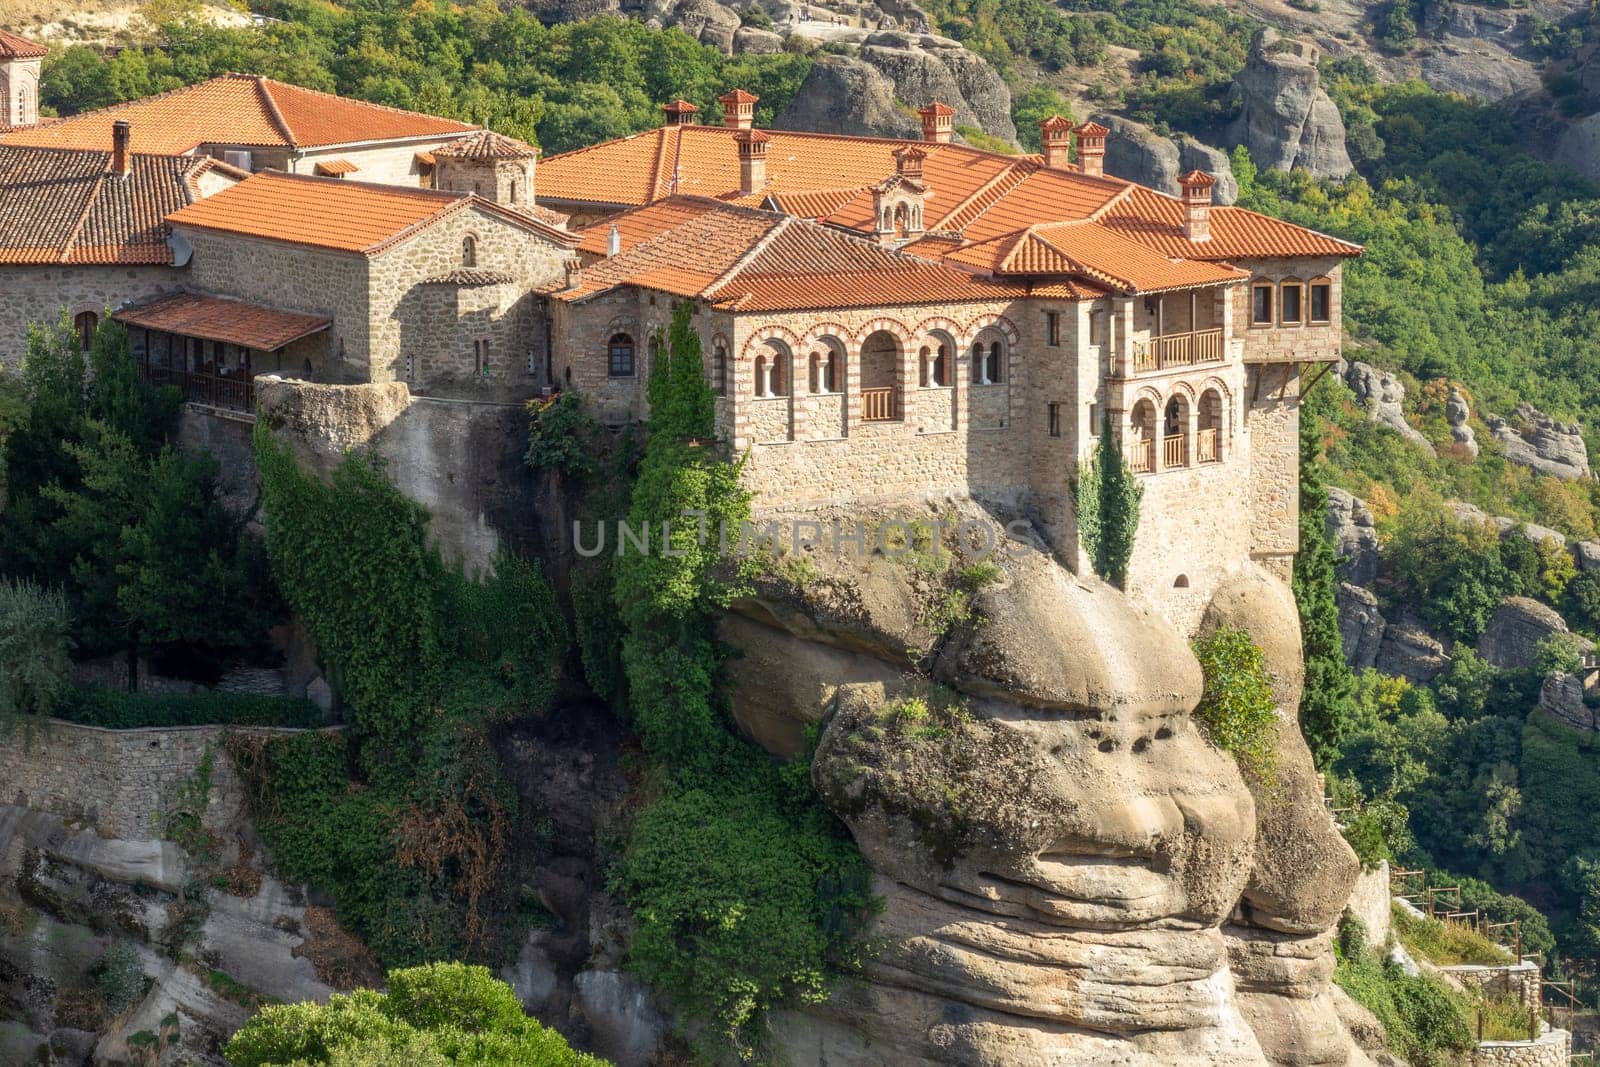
x=1237, y=709
x=562, y=436
x=1446, y=944
x=1424, y=1021
x=1106, y=497
x=35, y=669
x=119, y=977
x=116, y=710
x=438, y=1014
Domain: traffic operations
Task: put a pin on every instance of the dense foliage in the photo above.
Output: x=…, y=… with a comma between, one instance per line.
x=126, y=711
x=1424, y=1020
x=405, y=820
x=561, y=86
x=137, y=534
x=35, y=669
x=745, y=889
x=1106, y=497
x=439, y=1015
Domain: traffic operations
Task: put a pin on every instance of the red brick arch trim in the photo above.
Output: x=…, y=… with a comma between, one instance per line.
x=890, y=326
x=769, y=333
x=1007, y=328
x=939, y=324
x=823, y=331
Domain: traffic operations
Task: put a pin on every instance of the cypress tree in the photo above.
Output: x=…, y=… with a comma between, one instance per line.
x=1326, y=703
x=1107, y=496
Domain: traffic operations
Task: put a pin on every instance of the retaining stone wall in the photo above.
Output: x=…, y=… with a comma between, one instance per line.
x=1553, y=1049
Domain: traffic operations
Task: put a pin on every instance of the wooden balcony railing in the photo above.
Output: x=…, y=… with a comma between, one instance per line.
x=878, y=405
x=1142, y=455
x=1179, y=350
x=1175, y=451
x=1205, y=447
x=236, y=392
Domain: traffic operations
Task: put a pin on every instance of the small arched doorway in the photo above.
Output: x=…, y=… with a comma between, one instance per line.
x=1142, y=437
x=1208, y=441
x=880, y=377
x=1175, y=433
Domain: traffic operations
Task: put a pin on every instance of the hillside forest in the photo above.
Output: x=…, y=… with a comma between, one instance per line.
x=1481, y=271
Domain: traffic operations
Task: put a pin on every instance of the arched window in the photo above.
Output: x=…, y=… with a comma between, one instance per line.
x=777, y=378
x=84, y=324
x=977, y=363
x=834, y=375
x=925, y=367
x=993, y=369
x=814, y=383
x=469, y=253
x=719, y=370
x=515, y=189
x=1142, y=437
x=1175, y=433
x=761, y=376
x=1208, y=444
x=620, y=348
x=941, y=367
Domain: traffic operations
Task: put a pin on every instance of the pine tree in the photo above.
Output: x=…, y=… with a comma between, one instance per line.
x=1327, y=702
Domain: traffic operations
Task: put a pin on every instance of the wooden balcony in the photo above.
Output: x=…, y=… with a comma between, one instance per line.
x=1179, y=350
x=1174, y=451
x=878, y=405
x=1206, y=448
x=1142, y=456
x=235, y=391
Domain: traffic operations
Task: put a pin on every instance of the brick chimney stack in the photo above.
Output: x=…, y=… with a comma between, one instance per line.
x=1197, y=204
x=574, y=272
x=938, y=122
x=680, y=113
x=121, y=155
x=1091, y=148
x=738, y=109
x=908, y=162
x=1056, y=132
x=752, y=146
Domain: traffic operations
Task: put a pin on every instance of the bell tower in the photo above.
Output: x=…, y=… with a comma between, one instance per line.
x=20, y=59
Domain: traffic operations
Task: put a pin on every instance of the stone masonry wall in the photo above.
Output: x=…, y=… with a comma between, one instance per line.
x=38, y=293
x=119, y=782
x=1553, y=1049
x=387, y=164
x=1279, y=341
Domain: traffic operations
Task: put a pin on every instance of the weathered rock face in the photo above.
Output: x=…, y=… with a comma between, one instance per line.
x=1136, y=152
x=1286, y=120
x=1354, y=534
x=1456, y=413
x=1361, y=625
x=841, y=94
x=1511, y=638
x=1561, y=696
x=1193, y=155
x=1409, y=651
x=1534, y=440
x=1383, y=396
x=924, y=68
x=1057, y=846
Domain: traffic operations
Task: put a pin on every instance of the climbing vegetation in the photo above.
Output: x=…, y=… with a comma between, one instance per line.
x=1237, y=709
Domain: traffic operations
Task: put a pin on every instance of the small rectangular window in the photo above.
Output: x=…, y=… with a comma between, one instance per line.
x=1055, y=419
x=1097, y=327
x=1290, y=309
x=1052, y=328
x=480, y=350
x=1261, y=305
x=1094, y=420
x=1321, y=301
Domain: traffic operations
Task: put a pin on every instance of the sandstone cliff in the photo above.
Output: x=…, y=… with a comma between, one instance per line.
x=1071, y=872
x=1286, y=119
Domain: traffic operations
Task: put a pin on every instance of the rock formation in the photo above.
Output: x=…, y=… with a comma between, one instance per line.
x=1070, y=872
x=1286, y=119
x=1456, y=413
x=1361, y=625
x=1409, y=651
x=1354, y=534
x=1534, y=440
x=1382, y=395
x=924, y=67
x=1512, y=637
x=841, y=93
x=1136, y=152
x=1562, y=697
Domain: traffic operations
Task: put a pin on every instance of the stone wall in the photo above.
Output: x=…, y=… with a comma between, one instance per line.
x=38, y=293
x=1370, y=903
x=1553, y=1049
x=1521, y=980
x=1279, y=341
x=387, y=164
x=118, y=782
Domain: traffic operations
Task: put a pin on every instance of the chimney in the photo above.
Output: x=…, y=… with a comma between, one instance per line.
x=938, y=120
x=908, y=162
x=1056, y=133
x=1091, y=148
x=574, y=269
x=680, y=113
x=738, y=109
x=1197, y=204
x=121, y=156
x=752, y=160
x=613, y=241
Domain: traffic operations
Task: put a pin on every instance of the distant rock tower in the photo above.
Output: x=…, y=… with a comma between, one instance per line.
x=495, y=167
x=19, y=80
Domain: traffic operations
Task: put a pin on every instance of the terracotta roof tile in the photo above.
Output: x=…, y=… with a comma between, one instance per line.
x=749, y=260
x=486, y=145
x=238, y=109
x=215, y=319
x=64, y=206
x=335, y=168
x=14, y=47
x=1156, y=220
x=1090, y=250
x=469, y=278
x=336, y=214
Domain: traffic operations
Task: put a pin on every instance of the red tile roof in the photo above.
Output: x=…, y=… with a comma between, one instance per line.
x=974, y=195
x=239, y=109
x=212, y=318
x=336, y=214
x=64, y=206
x=1089, y=249
x=486, y=145
x=749, y=260
x=14, y=47
x=335, y=168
